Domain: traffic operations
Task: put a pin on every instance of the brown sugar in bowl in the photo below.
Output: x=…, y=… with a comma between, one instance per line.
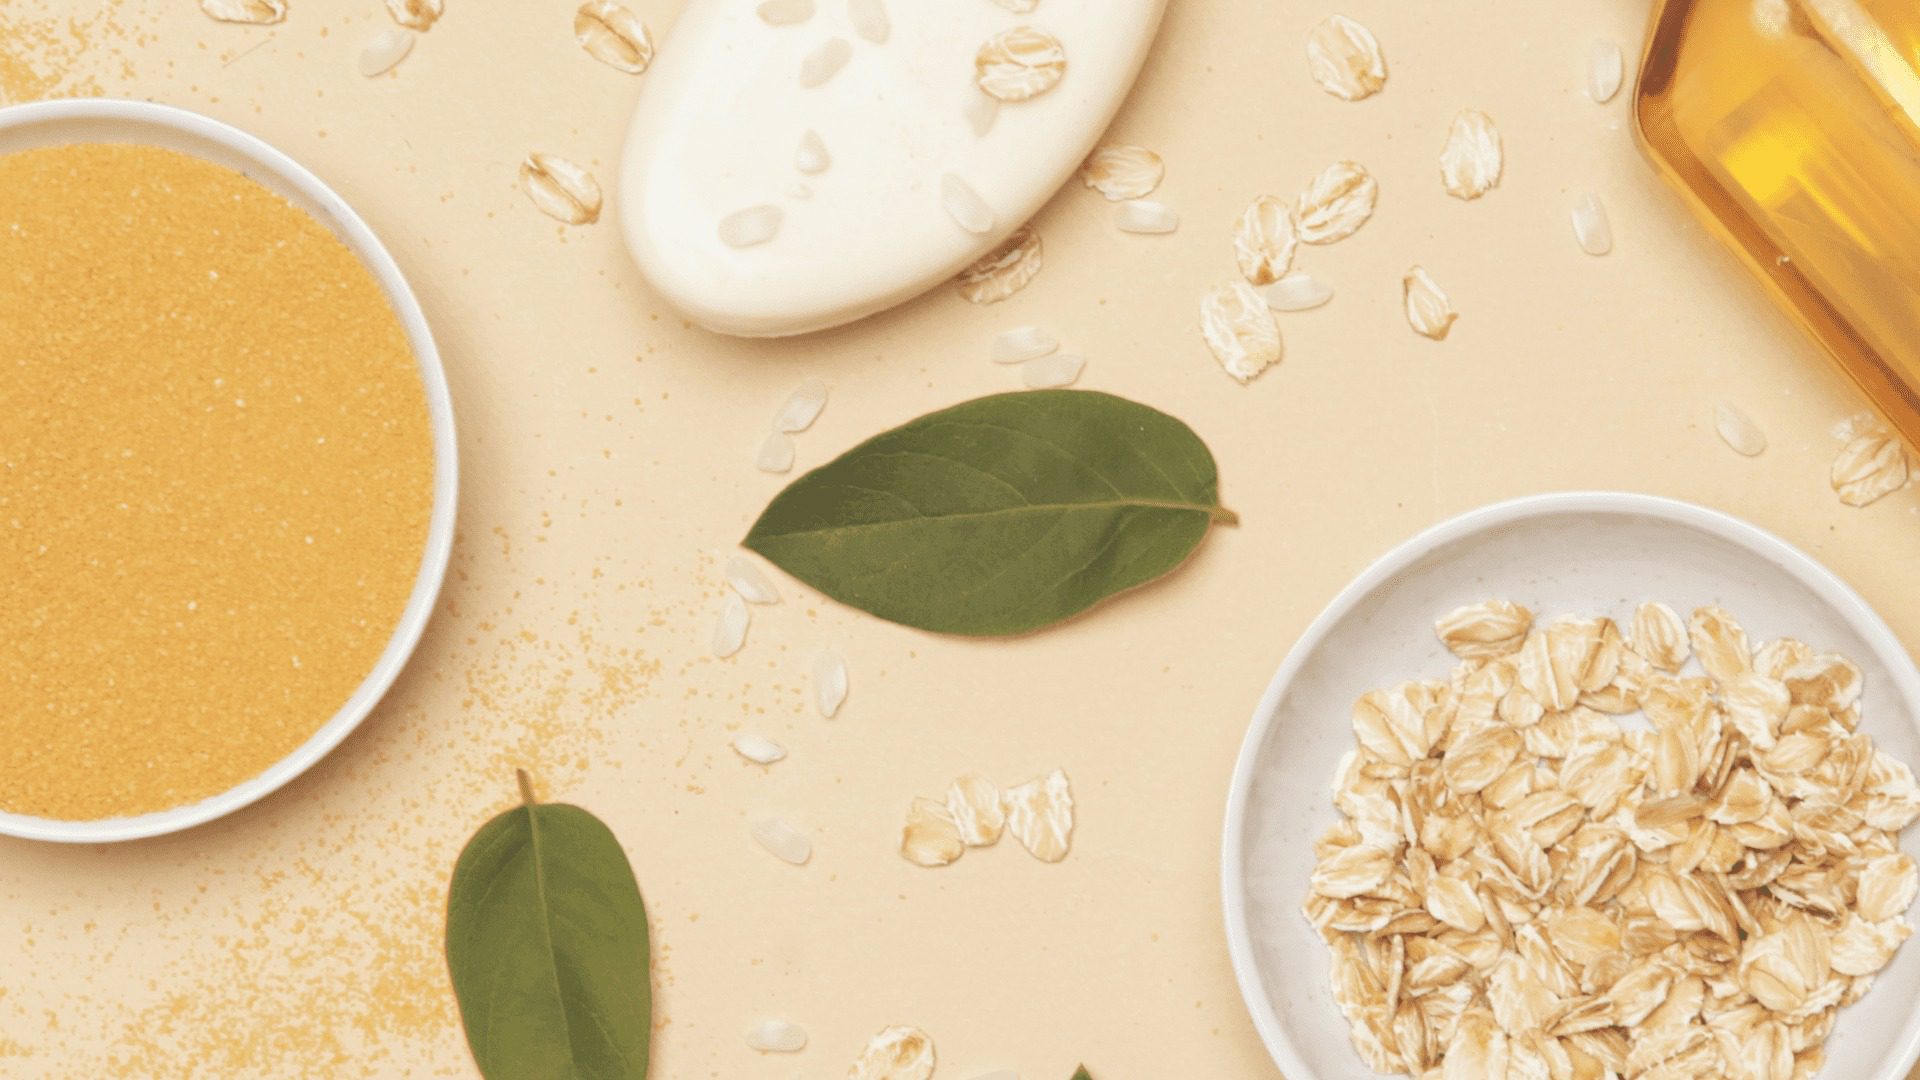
x=230, y=483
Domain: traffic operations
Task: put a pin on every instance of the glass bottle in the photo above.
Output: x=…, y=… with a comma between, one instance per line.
x=1793, y=129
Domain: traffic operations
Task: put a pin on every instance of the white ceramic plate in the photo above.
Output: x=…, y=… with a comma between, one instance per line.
x=1557, y=554
x=58, y=122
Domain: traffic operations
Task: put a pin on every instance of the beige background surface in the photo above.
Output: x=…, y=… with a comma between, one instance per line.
x=607, y=453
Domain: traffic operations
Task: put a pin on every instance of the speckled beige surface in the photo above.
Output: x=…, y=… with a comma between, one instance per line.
x=607, y=453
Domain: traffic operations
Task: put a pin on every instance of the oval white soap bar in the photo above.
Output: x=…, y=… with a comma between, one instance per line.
x=795, y=165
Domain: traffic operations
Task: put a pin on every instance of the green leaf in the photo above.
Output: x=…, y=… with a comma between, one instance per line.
x=547, y=944
x=999, y=515
x=1082, y=1074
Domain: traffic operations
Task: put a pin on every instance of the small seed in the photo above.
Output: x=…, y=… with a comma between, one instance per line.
x=1298, y=291
x=751, y=227
x=776, y=1037
x=1605, y=70
x=786, y=12
x=747, y=580
x=1590, y=225
x=802, y=407
x=1021, y=63
x=782, y=840
x=1429, y=311
x=811, y=156
x=562, y=190
x=1051, y=372
x=898, y=1053
x=250, y=12
x=1345, y=59
x=1003, y=271
x=385, y=51
x=730, y=629
x=1023, y=343
x=1737, y=431
x=758, y=749
x=869, y=19
x=613, y=35
x=829, y=682
x=965, y=206
x=931, y=836
x=776, y=453
x=1145, y=217
x=825, y=61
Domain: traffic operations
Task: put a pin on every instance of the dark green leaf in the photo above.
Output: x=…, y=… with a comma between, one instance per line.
x=1000, y=515
x=1082, y=1074
x=547, y=943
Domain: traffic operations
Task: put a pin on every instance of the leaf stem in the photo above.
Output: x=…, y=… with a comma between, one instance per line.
x=1223, y=516
x=526, y=786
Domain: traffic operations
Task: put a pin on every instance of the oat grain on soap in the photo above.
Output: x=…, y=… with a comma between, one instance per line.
x=215, y=478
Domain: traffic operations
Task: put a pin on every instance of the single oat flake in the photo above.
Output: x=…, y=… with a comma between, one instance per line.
x=1003, y=271
x=1872, y=465
x=1120, y=172
x=560, y=189
x=931, y=836
x=1471, y=162
x=974, y=804
x=897, y=1053
x=1335, y=204
x=1738, y=430
x=1484, y=631
x=250, y=12
x=1264, y=239
x=1345, y=59
x=613, y=35
x=384, y=52
x=1019, y=64
x=1429, y=311
x=1040, y=816
x=1240, y=330
x=415, y=14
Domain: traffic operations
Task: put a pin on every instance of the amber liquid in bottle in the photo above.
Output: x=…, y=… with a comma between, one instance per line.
x=1793, y=127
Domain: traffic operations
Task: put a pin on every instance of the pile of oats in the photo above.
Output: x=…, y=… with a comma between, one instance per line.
x=1522, y=885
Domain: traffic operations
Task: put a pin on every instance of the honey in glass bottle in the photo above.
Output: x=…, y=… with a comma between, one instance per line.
x=1793, y=129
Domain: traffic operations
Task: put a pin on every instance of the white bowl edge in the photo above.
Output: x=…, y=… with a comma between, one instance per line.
x=45, y=123
x=1810, y=574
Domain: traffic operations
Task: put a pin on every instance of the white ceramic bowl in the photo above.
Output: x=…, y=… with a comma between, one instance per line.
x=57, y=122
x=1584, y=553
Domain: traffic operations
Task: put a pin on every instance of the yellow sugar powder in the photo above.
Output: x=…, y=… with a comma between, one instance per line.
x=215, y=478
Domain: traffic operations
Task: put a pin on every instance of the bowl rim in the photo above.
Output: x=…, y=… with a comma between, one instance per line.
x=1809, y=571
x=340, y=218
